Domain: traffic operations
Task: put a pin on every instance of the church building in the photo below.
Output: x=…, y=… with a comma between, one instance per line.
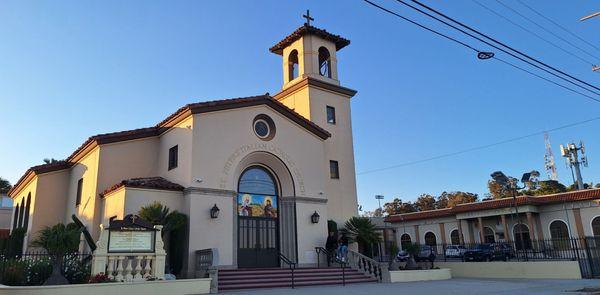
x=267, y=165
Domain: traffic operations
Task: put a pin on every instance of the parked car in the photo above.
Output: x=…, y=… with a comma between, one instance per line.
x=504, y=248
x=456, y=251
x=486, y=252
x=426, y=253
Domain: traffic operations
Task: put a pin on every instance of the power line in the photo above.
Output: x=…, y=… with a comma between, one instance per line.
x=500, y=43
x=543, y=28
x=477, y=50
x=481, y=147
x=558, y=25
x=546, y=79
x=532, y=32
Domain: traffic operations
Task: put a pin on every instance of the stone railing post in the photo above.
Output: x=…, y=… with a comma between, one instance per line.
x=100, y=255
x=158, y=267
x=213, y=274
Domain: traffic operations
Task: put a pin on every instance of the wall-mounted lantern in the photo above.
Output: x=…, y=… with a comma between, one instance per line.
x=214, y=212
x=315, y=217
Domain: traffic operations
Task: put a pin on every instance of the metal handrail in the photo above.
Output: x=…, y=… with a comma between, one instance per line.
x=291, y=264
x=342, y=263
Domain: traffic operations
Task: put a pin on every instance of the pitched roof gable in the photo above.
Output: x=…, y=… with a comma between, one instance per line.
x=170, y=121
x=339, y=41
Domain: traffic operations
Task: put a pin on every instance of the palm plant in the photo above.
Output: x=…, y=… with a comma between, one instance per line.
x=362, y=231
x=174, y=224
x=58, y=241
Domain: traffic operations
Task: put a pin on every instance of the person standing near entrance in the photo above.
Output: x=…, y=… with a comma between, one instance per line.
x=331, y=246
x=342, y=251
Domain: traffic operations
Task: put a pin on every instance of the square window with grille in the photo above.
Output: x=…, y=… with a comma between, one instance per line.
x=173, y=157
x=334, y=170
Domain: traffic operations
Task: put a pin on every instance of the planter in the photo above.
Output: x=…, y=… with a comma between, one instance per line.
x=420, y=275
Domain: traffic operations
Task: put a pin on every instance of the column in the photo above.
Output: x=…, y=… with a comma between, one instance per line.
x=538, y=223
x=417, y=236
x=531, y=226
x=505, y=227
x=578, y=223
x=480, y=224
x=461, y=238
x=470, y=230
x=443, y=233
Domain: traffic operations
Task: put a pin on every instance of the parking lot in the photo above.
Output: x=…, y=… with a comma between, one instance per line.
x=453, y=286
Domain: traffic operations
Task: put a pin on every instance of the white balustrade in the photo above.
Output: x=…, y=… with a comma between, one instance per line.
x=130, y=266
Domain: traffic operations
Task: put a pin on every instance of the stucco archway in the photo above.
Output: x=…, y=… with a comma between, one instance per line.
x=286, y=192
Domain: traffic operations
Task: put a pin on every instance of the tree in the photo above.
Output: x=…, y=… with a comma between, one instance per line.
x=425, y=202
x=458, y=197
x=548, y=187
x=362, y=231
x=498, y=191
x=442, y=201
x=174, y=224
x=4, y=185
x=597, y=185
x=396, y=206
x=58, y=241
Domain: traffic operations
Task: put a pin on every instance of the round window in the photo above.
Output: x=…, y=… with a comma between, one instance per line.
x=261, y=128
x=264, y=127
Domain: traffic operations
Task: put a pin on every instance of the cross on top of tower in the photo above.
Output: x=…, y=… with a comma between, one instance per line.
x=307, y=17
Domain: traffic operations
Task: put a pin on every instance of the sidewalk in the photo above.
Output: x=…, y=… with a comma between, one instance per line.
x=453, y=286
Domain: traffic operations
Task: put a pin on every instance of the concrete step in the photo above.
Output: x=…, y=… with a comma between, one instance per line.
x=254, y=285
x=288, y=278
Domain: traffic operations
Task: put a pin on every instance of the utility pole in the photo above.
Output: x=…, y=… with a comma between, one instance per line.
x=571, y=153
x=595, y=68
x=590, y=16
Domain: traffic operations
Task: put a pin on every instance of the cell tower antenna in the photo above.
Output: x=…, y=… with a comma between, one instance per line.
x=549, y=159
x=572, y=152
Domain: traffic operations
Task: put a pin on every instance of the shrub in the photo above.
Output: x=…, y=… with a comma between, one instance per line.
x=37, y=271
x=13, y=272
x=101, y=278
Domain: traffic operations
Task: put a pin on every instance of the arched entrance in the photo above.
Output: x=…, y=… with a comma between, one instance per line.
x=258, y=218
x=521, y=237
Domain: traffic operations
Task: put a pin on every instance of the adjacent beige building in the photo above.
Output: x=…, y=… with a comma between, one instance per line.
x=267, y=162
x=550, y=217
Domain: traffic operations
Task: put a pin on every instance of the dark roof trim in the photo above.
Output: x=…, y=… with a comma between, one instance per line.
x=172, y=120
x=234, y=103
x=575, y=196
x=308, y=81
x=157, y=183
x=39, y=169
x=304, y=30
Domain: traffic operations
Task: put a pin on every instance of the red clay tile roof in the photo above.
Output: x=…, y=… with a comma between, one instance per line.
x=306, y=29
x=39, y=169
x=157, y=183
x=194, y=108
x=226, y=104
x=582, y=195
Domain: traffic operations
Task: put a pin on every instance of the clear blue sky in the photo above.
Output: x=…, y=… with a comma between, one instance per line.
x=71, y=69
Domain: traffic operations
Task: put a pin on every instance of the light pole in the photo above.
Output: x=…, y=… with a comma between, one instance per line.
x=379, y=198
x=512, y=186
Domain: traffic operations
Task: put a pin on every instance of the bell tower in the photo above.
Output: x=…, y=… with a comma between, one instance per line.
x=311, y=87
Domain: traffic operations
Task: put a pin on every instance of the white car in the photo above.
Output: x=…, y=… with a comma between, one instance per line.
x=455, y=251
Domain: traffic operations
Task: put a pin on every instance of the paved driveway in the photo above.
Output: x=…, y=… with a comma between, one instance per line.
x=453, y=286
